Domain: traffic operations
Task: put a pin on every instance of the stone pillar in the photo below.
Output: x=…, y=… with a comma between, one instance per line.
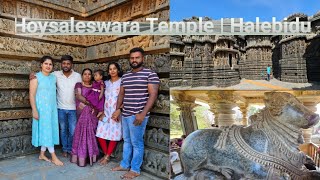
x=213, y=109
x=186, y=106
x=308, y=132
x=244, y=109
x=224, y=102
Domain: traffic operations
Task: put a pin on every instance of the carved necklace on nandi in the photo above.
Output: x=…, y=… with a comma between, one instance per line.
x=284, y=156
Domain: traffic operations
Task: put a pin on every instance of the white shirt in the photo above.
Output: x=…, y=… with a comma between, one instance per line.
x=65, y=89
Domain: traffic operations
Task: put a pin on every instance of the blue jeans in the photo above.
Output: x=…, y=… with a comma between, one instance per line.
x=67, y=122
x=133, y=147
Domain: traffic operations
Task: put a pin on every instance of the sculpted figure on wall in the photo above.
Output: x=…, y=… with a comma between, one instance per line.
x=270, y=143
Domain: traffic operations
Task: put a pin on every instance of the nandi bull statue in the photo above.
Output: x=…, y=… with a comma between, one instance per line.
x=267, y=149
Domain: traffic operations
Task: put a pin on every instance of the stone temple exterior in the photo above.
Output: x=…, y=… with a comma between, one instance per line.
x=19, y=55
x=223, y=61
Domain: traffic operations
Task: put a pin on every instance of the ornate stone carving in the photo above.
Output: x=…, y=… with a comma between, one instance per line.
x=15, y=67
x=9, y=82
x=157, y=138
x=15, y=127
x=162, y=104
x=15, y=114
x=164, y=84
x=23, y=9
x=158, y=62
x=137, y=7
x=156, y=163
x=17, y=145
x=126, y=12
x=30, y=48
x=123, y=46
x=161, y=3
x=159, y=122
x=8, y=7
x=149, y=6
x=6, y=26
x=270, y=143
x=15, y=98
x=144, y=41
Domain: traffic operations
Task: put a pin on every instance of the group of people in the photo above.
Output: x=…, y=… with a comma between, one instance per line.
x=93, y=113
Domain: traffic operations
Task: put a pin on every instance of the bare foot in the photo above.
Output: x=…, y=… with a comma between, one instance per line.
x=57, y=162
x=130, y=175
x=119, y=168
x=105, y=160
x=43, y=157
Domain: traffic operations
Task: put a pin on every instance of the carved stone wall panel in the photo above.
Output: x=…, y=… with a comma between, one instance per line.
x=7, y=26
x=158, y=62
x=15, y=67
x=16, y=127
x=13, y=8
x=8, y=8
x=159, y=121
x=162, y=104
x=137, y=8
x=149, y=6
x=15, y=114
x=161, y=3
x=10, y=82
x=16, y=146
x=164, y=84
x=106, y=50
x=156, y=163
x=158, y=139
x=15, y=98
x=126, y=12
x=35, y=49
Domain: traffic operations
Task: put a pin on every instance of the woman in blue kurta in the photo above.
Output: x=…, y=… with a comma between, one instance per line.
x=45, y=128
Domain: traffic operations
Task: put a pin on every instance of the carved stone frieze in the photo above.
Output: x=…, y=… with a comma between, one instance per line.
x=164, y=84
x=137, y=8
x=161, y=3
x=15, y=67
x=10, y=82
x=159, y=122
x=17, y=145
x=156, y=163
x=158, y=62
x=157, y=138
x=162, y=104
x=15, y=114
x=30, y=48
x=16, y=127
x=15, y=98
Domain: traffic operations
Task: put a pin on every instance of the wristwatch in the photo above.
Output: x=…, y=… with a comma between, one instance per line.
x=120, y=109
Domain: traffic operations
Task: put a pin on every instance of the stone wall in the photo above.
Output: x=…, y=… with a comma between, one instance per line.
x=19, y=56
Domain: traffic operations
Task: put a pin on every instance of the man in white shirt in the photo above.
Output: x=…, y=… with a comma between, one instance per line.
x=66, y=80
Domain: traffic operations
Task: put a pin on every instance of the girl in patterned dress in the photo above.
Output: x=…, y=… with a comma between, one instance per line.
x=108, y=129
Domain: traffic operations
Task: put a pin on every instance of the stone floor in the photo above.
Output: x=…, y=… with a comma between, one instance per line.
x=245, y=84
x=30, y=168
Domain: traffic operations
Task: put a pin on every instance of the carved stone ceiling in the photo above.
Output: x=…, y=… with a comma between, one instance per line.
x=252, y=97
